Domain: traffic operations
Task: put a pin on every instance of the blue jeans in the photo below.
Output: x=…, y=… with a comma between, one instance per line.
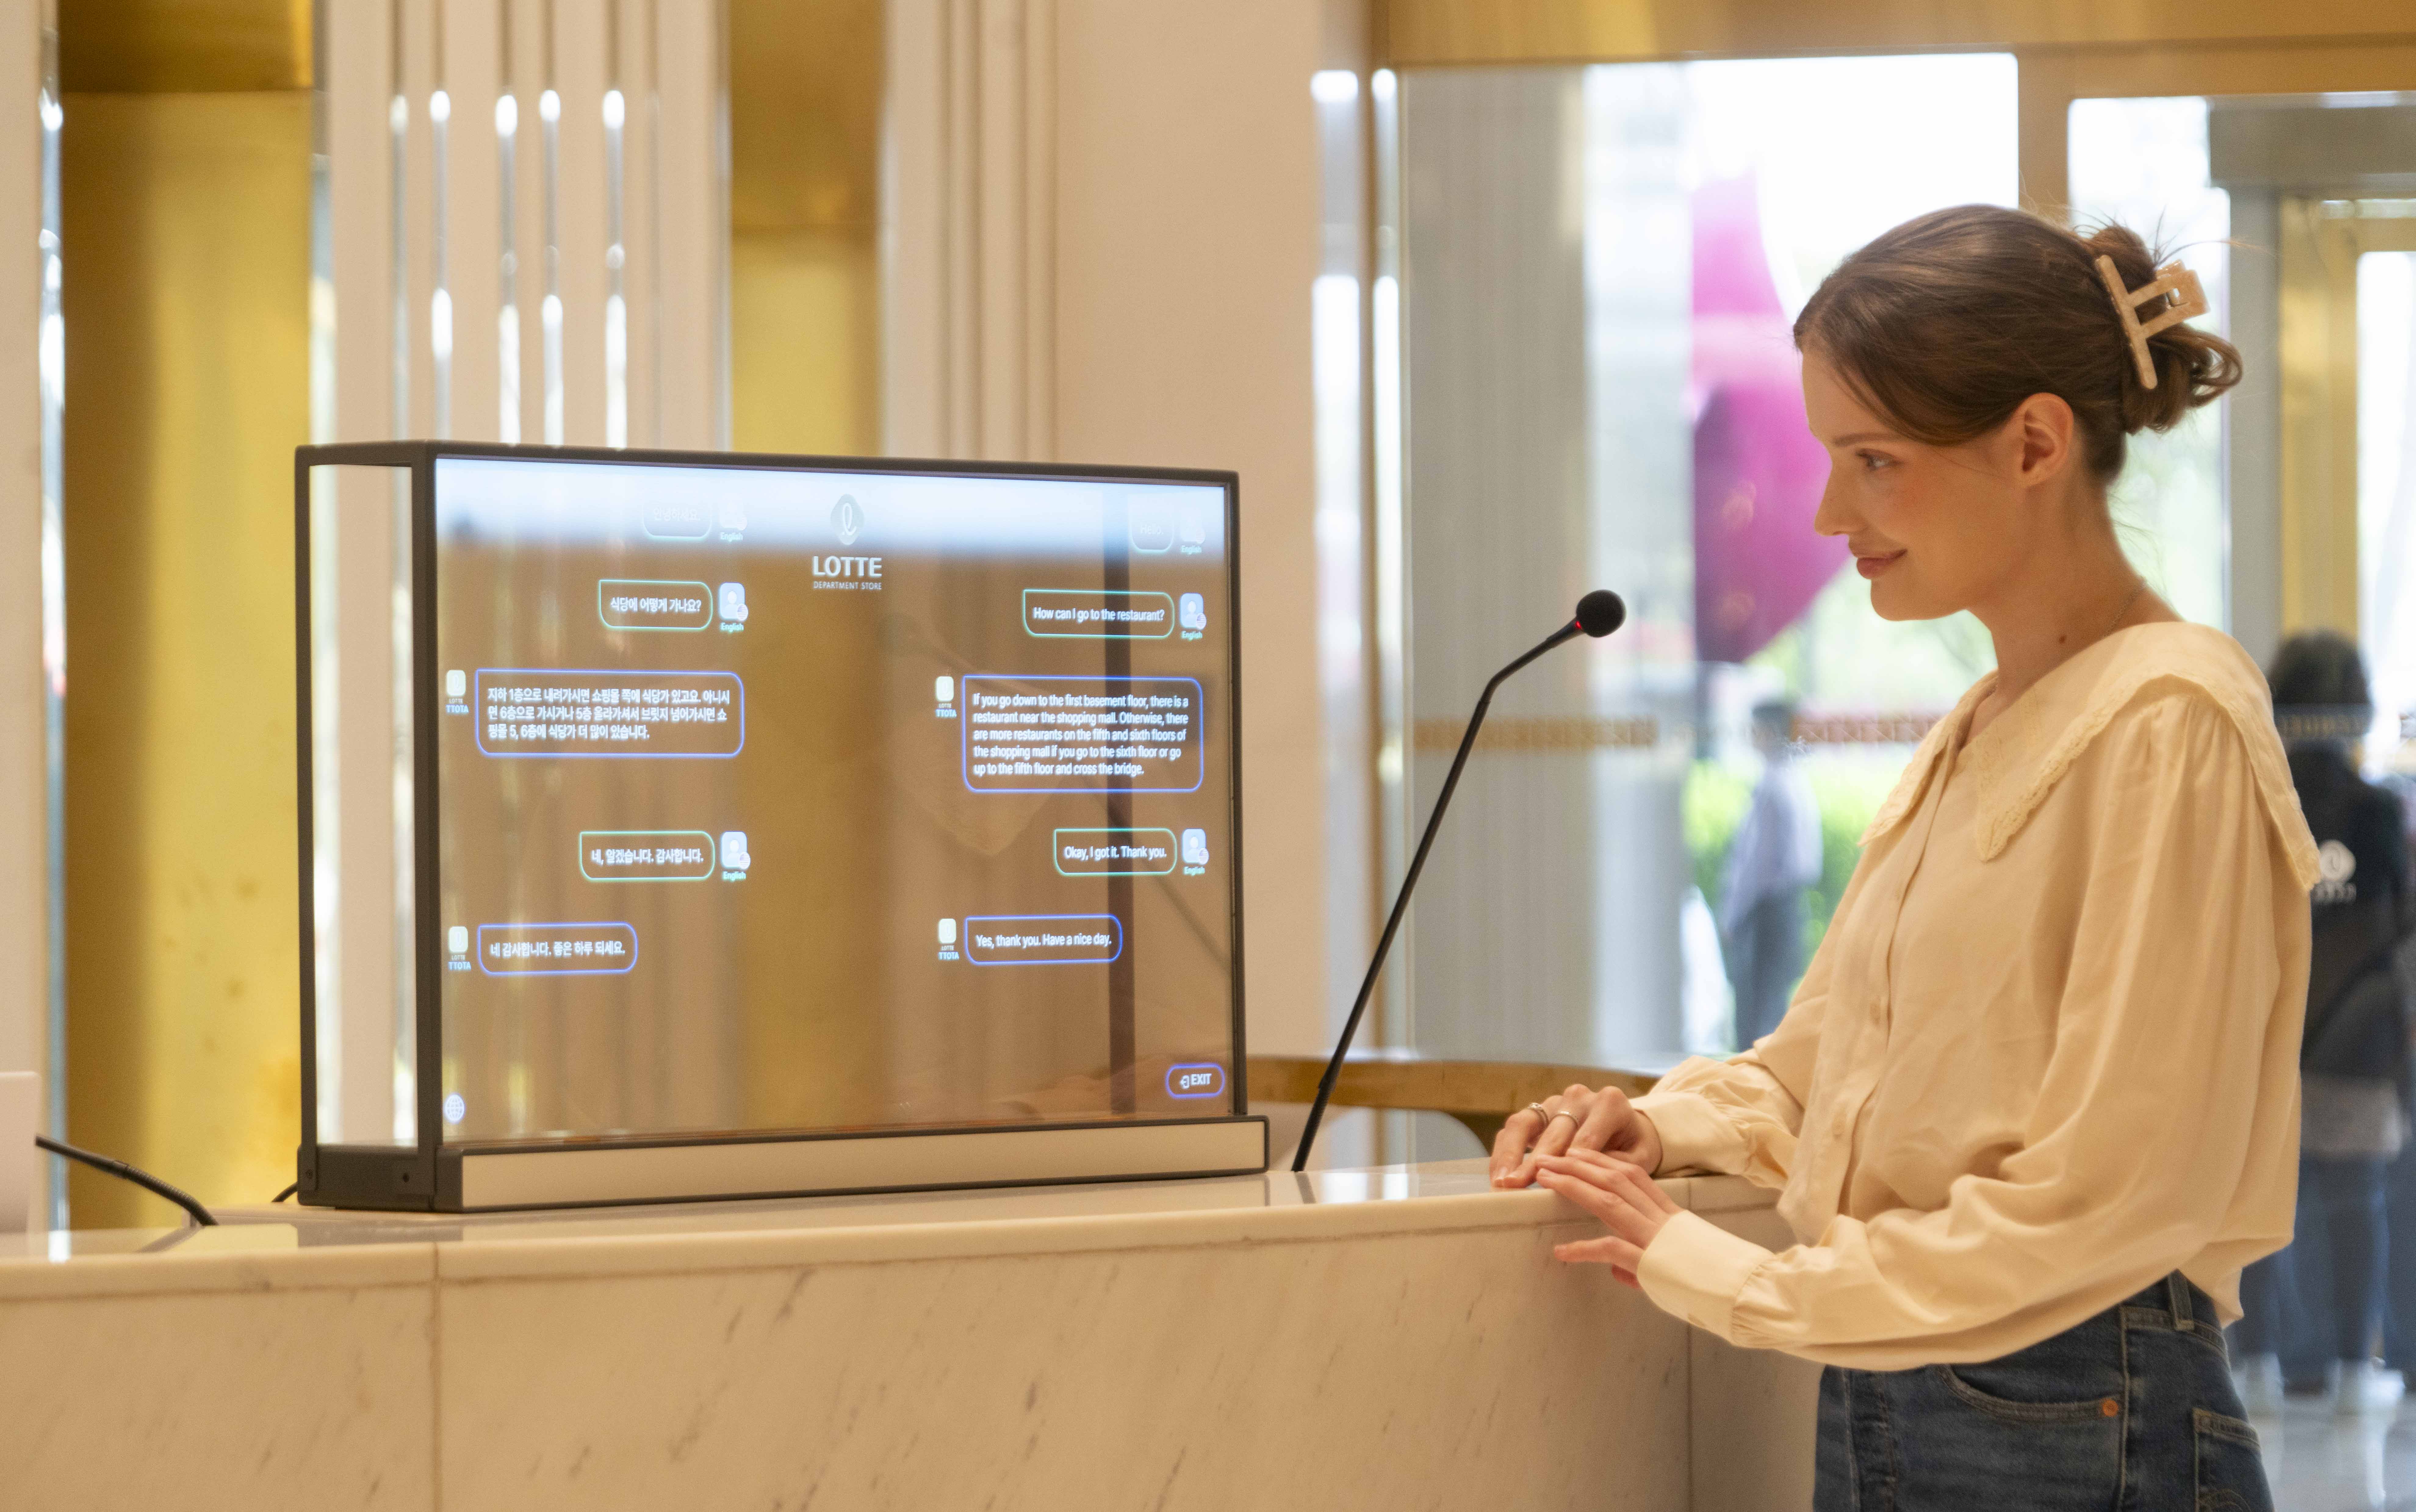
x=2132, y=1411
x=2321, y=1299
x=2399, y=1286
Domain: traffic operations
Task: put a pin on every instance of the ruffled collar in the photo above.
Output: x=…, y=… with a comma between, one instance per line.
x=2026, y=750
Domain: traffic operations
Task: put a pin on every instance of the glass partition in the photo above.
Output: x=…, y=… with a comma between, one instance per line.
x=2144, y=163
x=1600, y=269
x=361, y=811
x=2386, y=488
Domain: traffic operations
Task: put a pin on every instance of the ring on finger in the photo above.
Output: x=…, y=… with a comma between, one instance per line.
x=1562, y=1114
x=1540, y=1110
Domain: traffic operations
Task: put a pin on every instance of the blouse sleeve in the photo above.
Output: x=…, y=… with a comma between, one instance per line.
x=1739, y=1117
x=2144, y=1122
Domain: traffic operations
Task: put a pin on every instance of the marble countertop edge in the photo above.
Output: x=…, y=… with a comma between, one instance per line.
x=282, y=1257
x=603, y=1255
x=172, y=1273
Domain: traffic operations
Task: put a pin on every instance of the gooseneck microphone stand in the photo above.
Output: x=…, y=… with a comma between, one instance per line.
x=1599, y=612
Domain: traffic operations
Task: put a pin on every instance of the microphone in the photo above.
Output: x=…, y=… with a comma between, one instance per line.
x=1599, y=612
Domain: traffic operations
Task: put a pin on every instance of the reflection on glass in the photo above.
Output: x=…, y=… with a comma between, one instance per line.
x=361, y=805
x=1601, y=267
x=2144, y=162
x=2386, y=493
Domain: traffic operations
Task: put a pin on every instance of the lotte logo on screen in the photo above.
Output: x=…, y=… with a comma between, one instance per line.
x=847, y=519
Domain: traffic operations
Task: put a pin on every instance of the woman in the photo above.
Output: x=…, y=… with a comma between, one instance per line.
x=2355, y=1051
x=2035, y=1103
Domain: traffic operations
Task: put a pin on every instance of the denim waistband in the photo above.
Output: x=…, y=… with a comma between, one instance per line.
x=2176, y=1303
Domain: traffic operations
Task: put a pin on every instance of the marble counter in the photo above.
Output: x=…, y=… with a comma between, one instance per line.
x=1393, y=1338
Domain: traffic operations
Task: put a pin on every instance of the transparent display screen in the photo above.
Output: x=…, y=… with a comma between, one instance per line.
x=780, y=799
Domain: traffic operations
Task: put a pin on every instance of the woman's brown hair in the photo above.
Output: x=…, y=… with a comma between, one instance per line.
x=1946, y=324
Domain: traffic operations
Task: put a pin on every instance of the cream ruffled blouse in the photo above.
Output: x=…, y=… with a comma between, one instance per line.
x=2049, y=1049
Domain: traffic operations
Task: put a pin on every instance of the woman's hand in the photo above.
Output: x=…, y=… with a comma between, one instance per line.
x=1629, y=1202
x=1577, y=1119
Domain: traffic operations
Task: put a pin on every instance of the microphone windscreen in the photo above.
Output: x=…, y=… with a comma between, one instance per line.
x=1600, y=613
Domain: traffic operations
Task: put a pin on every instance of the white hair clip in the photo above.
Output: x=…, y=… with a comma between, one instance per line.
x=2172, y=279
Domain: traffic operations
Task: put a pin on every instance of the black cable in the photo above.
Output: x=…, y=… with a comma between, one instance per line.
x=123, y=1172
x=290, y=1187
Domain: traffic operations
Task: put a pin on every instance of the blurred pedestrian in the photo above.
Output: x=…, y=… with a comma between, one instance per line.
x=1773, y=862
x=2354, y=1054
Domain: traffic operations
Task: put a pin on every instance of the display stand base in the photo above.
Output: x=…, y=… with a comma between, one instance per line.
x=593, y=1173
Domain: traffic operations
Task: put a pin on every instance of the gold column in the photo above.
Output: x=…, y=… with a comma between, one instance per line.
x=2322, y=244
x=805, y=296
x=186, y=204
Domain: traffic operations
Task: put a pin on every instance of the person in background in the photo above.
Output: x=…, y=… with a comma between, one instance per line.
x=2399, y=1285
x=1774, y=858
x=2355, y=1051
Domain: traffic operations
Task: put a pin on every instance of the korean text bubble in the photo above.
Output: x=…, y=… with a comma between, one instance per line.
x=556, y=949
x=1112, y=853
x=1082, y=735
x=686, y=520
x=649, y=604
x=1097, y=614
x=1044, y=940
x=645, y=854
x=559, y=712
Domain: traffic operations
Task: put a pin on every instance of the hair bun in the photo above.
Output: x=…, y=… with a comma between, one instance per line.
x=1944, y=325
x=2192, y=366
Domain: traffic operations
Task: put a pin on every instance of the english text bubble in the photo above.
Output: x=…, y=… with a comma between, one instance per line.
x=1112, y=853
x=600, y=949
x=1097, y=614
x=1044, y=940
x=1081, y=734
x=547, y=711
x=645, y=854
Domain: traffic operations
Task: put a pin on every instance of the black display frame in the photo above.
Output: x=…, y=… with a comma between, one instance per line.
x=428, y=1175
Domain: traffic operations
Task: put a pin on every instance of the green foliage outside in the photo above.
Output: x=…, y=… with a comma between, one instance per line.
x=1849, y=786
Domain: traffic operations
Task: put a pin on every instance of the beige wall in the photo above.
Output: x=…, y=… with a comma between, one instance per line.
x=1187, y=243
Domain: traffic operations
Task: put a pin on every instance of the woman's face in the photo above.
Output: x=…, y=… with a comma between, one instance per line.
x=1934, y=529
